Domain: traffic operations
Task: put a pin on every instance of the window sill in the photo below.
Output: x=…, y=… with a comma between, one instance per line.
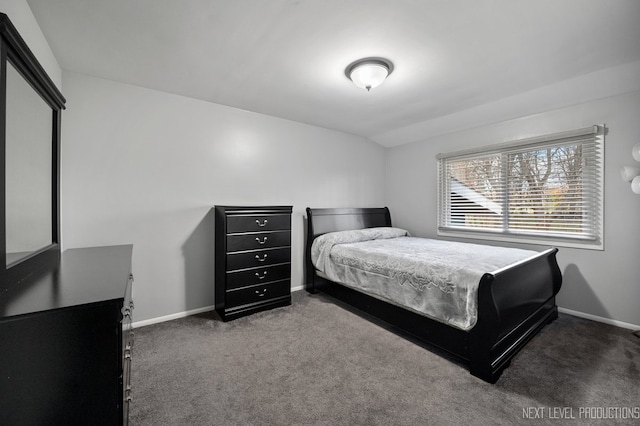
x=522, y=239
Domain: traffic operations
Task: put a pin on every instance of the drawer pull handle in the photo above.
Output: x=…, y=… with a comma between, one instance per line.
x=261, y=242
x=263, y=276
x=261, y=293
x=261, y=259
x=263, y=223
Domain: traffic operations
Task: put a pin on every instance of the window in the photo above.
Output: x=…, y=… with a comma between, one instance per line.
x=540, y=190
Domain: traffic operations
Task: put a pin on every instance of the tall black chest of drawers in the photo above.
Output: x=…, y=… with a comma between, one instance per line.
x=252, y=259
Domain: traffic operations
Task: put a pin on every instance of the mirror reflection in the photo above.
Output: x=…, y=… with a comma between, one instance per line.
x=29, y=168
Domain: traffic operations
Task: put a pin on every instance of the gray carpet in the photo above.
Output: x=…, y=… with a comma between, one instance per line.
x=318, y=362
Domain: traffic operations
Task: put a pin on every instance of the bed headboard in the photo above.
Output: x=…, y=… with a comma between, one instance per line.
x=321, y=221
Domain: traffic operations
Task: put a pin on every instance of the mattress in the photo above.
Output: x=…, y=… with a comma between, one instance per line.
x=435, y=278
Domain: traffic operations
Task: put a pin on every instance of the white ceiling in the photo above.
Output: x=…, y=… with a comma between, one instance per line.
x=286, y=58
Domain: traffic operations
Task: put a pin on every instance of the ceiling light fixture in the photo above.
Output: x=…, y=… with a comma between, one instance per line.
x=368, y=73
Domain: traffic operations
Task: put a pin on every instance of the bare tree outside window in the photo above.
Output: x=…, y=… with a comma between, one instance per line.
x=545, y=189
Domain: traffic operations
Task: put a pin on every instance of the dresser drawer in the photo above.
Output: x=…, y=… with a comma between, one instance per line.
x=256, y=241
x=258, y=223
x=254, y=259
x=258, y=293
x=262, y=275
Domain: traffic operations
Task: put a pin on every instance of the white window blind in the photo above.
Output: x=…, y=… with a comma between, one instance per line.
x=544, y=189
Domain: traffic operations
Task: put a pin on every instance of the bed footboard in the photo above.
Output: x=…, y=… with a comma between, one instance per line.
x=513, y=305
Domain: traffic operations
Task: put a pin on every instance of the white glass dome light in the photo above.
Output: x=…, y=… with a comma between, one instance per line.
x=369, y=72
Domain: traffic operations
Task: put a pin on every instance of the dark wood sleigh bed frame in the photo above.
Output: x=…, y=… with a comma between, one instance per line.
x=514, y=303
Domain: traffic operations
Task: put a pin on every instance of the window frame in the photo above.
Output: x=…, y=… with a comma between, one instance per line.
x=504, y=234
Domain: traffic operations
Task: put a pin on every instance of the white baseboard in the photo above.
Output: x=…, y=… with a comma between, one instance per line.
x=187, y=313
x=172, y=316
x=599, y=319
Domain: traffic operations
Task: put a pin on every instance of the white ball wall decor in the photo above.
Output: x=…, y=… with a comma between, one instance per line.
x=635, y=185
x=636, y=152
x=632, y=173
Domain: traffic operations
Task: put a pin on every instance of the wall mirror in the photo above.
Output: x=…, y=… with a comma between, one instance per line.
x=30, y=134
x=28, y=169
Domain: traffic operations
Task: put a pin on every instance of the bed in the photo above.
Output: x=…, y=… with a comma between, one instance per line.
x=504, y=309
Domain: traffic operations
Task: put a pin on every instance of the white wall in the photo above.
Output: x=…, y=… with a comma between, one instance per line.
x=145, y=167
x=600, y=283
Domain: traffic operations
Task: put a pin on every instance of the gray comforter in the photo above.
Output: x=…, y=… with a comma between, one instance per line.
x=435, y=278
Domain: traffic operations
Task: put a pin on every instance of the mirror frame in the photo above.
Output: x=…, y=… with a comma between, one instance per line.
x=13, y=48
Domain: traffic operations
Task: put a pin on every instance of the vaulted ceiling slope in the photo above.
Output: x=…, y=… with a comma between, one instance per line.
x=457, y=62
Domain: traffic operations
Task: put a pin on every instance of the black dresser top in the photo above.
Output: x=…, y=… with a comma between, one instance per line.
x=84, y=276
x=254, y=209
